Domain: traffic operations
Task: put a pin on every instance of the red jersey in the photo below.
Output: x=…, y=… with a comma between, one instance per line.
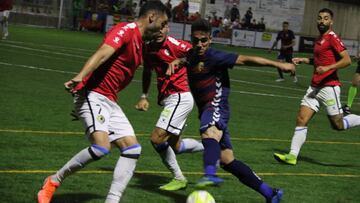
x=6, y=5
x=159, y=59
x=117, y=72
x=327, y=51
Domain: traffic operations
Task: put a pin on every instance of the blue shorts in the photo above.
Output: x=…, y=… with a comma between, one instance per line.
x=219, y=119
x=285, y=57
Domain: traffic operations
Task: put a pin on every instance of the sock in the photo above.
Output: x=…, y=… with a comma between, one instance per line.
x=190, y=145
x=211, y=155
x=351, y=120
x=85, y=156
x=123, y=172
x=298, y=140
x=351, y=95
x=280, y=73
x=168, y=157
x=248, y=177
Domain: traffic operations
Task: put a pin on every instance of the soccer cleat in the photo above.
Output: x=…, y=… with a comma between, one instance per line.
x=346, y=110
x=276, y=197
x=47, y=190
x=207, y=181
x=285, y=158
x=280, y=80
x=174, y=184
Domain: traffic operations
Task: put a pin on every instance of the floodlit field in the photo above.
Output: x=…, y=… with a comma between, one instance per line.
x=37, y=135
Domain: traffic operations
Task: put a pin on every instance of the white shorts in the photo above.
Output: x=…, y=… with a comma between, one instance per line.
x=98, y=113
x=3, y=14
x=176, y=110
x=326, y=96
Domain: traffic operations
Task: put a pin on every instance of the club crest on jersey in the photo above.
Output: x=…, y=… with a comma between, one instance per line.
x=116, y=40
x=100, y=118
x=166, y=52
x=199, y=67
x=322, y=41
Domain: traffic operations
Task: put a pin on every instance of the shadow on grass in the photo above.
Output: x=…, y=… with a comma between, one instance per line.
x=75, y=197
x=314, y=161
x=151, y=183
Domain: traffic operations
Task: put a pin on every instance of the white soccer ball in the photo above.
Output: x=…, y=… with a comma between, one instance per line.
x=200, y=196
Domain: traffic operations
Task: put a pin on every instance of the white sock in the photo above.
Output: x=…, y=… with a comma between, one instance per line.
x=169, y=159
x=123, y=172
x=190, y=145
x=351, y=120
x=78, y=161
x=298, y=140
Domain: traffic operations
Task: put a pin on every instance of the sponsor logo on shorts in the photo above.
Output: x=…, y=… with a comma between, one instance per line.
x=100, y=119
x=330, y=102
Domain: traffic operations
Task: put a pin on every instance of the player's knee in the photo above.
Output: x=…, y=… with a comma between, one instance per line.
x=160, y=147
x=158, y=136
x=301, y=121
x=97, y=151
x=131, y=152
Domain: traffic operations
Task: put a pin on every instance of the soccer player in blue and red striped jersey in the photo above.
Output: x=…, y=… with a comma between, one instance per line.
x=210, y=85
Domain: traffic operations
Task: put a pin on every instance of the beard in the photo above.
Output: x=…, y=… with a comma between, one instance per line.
x=323, y=28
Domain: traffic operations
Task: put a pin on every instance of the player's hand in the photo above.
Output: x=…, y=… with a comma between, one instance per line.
x=142, y=105
x=172, y=67
x=298, y=61
x=322, y=69
x=71, y=84
x=287, y=67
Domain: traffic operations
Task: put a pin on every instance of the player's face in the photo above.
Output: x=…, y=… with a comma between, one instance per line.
x=163, y=34
x=285, y=27
x=157, y=22
x=324, y=22
x=201, y=41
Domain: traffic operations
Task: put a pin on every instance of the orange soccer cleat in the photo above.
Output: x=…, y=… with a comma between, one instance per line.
x=47, y=190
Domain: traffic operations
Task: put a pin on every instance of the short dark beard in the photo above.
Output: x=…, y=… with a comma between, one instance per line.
x=323, y=28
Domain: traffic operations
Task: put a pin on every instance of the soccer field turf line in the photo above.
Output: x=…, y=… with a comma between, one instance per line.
x=12, y=171
x=144, y=135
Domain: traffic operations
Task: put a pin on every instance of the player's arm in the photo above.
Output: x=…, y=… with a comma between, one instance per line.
x=274, y=45
x=99, y=57
x=342, y=63
x=298, y=61
x=255, y=60
x=143, y=103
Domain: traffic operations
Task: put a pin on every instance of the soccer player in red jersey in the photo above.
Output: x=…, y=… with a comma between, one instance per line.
x=174, y=94
x=329, y=55
x=109, y=70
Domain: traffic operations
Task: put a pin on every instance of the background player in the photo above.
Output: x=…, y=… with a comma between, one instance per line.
x=287, y=38
x=174, y=94
x=210, y=85
x=5, y=7
x=353, y=89
x=329, y=55
x=109, y=70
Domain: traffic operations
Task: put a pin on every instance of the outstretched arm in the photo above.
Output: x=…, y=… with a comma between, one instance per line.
x=99, y=57
x=274, y=45
x=255, y=60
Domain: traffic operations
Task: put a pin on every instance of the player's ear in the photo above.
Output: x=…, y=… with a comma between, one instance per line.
x=151, y=17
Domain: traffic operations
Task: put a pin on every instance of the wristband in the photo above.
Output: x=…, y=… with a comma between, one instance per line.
x=144, y=96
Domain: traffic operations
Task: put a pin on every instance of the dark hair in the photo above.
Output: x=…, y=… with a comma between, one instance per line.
x=286, y=22
x=326, y=10
x=201, y=25
x=154, y=5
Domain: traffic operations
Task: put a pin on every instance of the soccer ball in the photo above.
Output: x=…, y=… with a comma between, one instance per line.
x=200, y=196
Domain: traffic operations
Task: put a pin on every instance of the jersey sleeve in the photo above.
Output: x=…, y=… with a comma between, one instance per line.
x=337, y=44
x=180, y=47
x=292, y=35
x=117, y=37
x=224, y=59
